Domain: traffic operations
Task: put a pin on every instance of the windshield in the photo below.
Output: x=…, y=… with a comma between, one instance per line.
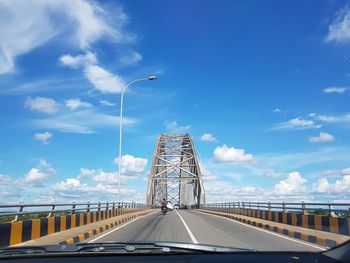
x=202, y=122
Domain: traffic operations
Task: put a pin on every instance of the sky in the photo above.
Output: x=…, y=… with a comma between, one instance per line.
x=262, y=87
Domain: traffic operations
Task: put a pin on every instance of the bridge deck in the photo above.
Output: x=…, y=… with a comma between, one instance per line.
x=201, y=228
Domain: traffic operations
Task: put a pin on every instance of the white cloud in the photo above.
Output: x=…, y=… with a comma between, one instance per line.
x=341, y=186
x=100, y=78
x=294, y=184
x=44, y=84
x=272, y=173
x=43, y=137
x=5, y=180
x=131, y=59
x=206, y=174
x=335, y=90
x=73, y=182
x=301, y=123
x=80, y=121
x=332, y=119
x=102, y=185
x=174, y=127
x=339, y=30
x=323, y=137
x=325, y=118
x=78, y=61
x=72, y=185
x=105, y=178
x=276, y=110
x=207, y=177
x=77, y=103
x=208, y=137
x=42, y=104
x=11, y=190
x=132, y=165
x=131, y=169
x=221, y=191
x=103, y=80
x=335, y=173
x=36, y=176
x=321, y=186
x=111, y=178
x=345, y=171
x=291, y=161
x=86, y=173
x=19, y=32
x=330, y=173
x=233, y=175
x=107, y=103
x=225, y=154
x=73, y=189
x=296, y=124
x=313, y=114
x=26, y=25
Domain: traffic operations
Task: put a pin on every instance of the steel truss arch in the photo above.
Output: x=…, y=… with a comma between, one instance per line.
x=175, y=172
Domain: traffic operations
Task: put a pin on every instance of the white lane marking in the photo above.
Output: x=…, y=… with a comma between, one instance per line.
x=194, y=240
x=105, y=234
x=269, y=232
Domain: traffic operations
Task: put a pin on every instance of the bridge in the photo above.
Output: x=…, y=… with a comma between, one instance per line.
x=175, y=175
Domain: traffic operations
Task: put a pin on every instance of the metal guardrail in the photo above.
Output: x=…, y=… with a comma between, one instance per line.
x=65, y=208
x=303, y=207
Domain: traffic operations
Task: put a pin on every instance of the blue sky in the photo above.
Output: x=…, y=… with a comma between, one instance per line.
x=262, y=88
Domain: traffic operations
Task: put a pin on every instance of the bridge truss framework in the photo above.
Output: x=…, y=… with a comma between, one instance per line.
x=175, y=172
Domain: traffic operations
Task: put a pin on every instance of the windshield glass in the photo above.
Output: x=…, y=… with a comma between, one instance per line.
x=202, y=122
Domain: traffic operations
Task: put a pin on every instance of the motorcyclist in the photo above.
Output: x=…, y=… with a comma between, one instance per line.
x=164, y=204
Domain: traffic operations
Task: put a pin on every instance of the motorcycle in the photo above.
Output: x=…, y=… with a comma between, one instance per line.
x=164, y=210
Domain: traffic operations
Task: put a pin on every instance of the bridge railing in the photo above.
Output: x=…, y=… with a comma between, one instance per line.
x=329, y=217
x=333, y=209
x=17, y=210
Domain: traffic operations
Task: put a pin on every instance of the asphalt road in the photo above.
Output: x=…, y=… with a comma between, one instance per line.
x=196, y=227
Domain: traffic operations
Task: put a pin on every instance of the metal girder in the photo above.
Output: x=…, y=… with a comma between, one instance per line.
x=175, y=173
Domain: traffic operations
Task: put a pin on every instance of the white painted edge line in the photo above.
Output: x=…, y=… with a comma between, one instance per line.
x=269, y=232
x=115, y=229
x=194, y=240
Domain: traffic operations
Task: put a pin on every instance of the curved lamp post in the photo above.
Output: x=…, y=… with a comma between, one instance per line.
x=121, y=127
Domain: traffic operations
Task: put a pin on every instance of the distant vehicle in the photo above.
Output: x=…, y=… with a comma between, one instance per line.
x=170, y=206
x=176, y=206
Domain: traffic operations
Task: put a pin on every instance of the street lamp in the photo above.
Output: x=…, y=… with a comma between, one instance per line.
x=121, y=127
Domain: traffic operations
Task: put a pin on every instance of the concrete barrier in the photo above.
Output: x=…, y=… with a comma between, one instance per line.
x=338, y=225
x=17, y=232
x=88, y=234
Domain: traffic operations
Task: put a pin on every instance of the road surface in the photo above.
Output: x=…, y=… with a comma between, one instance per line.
x=192, y=226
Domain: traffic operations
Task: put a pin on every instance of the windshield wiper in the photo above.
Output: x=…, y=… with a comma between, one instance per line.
x=120, y=248
x=30, y=250
x=156, y=247
x=22, y=251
